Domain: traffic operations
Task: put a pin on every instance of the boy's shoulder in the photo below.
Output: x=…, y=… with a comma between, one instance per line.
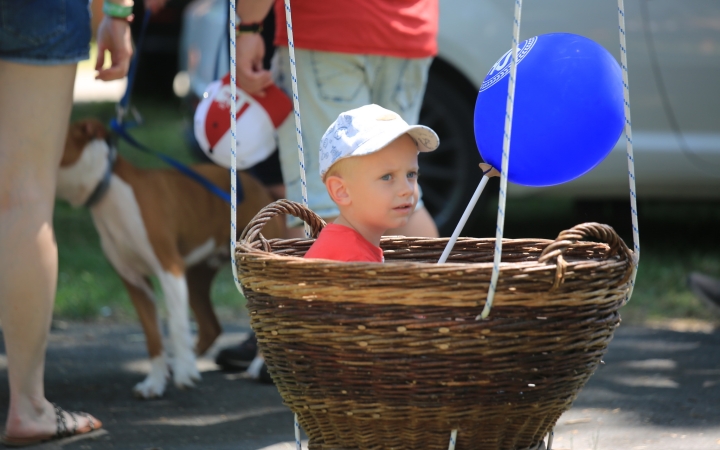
x=341, y=243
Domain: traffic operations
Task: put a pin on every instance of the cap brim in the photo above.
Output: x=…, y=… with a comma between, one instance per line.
x=425, y=138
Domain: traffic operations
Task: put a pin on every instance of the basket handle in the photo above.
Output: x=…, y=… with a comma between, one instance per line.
x=252, y=231
x=567, y=238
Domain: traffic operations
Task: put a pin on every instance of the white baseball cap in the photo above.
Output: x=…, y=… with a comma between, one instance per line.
x=257, y=121
x=366, y=130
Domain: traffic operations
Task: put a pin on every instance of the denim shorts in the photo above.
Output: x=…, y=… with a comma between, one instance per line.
x=45, y=32
x=328, y=84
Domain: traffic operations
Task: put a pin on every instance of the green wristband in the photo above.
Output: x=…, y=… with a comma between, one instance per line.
x=115, y=10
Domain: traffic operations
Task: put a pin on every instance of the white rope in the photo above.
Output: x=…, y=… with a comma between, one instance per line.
x=504, y=169
x=233, y=149
x=301, y=153
x=296, y=105
x=503, y=172
x=298, y=444
x=631, y=158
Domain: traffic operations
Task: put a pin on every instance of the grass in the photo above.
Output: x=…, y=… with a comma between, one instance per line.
x=679, y=239
x=676, y=238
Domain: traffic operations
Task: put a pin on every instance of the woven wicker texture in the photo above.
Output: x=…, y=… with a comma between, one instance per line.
x=381, y=356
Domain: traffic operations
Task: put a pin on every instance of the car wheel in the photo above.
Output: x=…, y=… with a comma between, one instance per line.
x=450, y=174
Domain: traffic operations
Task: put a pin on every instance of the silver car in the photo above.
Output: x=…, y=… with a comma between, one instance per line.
x=674, y=67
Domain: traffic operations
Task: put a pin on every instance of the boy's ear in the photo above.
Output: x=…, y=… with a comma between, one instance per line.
x=337, y=189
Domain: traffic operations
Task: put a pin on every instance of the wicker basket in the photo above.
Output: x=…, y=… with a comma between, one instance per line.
x=390, y=356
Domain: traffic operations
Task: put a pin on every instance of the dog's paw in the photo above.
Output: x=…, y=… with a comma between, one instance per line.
x=185, y=372
x=149, y=388
x=154, y=384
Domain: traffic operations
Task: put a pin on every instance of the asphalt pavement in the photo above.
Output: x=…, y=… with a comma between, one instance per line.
x=659, y=389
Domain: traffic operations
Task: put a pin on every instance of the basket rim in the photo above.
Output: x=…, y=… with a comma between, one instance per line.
x=572, y=237
x=415, y=283
x=245, y=249
x=532, y=266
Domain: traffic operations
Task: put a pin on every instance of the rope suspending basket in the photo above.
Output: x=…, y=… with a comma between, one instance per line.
x=394, y=355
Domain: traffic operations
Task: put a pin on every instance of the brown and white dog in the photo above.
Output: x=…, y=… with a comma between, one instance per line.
x=158, y=222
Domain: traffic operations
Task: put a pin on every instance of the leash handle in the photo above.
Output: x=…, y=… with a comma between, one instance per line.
x=119, y=127
x=124, y=103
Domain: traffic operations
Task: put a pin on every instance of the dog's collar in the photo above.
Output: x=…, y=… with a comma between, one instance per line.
x=101, y=189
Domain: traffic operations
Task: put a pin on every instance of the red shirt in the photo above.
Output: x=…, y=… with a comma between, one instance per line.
x=399, y=28
x=341, y=243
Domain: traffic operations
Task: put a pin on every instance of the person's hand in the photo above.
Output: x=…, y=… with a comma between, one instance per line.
x=155, y=5
x=113, y=35
x=251, y=76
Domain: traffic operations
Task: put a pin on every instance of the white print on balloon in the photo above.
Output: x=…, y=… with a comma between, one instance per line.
x=502, y=66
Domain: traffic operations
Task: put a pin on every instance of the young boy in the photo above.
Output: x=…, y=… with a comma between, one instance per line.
x=369, y=164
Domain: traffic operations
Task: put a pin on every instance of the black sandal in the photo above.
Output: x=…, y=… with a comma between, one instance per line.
x=62, y=430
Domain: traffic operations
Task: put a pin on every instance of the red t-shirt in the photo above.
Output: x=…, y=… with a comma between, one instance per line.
x=341, y=243
x=399, y=28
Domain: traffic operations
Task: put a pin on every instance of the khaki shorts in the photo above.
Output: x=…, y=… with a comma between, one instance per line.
x=328, y=84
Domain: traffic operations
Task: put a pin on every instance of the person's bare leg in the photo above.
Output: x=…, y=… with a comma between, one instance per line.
x=421, y=224
x=35, y=104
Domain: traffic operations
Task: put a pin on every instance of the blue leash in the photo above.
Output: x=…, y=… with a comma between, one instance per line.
x=182, y=168
x=120, y=130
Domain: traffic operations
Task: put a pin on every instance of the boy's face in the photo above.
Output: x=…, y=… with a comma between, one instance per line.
x=382, y=186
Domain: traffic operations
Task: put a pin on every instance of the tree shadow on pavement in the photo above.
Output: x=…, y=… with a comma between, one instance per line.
x=93, y=367
x=666, y=378
x=652, y=380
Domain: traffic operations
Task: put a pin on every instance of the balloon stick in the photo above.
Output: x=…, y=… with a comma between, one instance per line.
x=488, y=172
x=453, y=440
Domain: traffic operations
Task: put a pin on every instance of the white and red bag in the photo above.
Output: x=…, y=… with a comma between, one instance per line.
x=257, y=121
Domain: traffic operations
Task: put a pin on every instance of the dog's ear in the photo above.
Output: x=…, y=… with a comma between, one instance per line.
x=88, y=128
x=79, y=135
x=93, y=129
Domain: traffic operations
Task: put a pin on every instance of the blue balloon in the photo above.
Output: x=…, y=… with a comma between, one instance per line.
x=568, y=111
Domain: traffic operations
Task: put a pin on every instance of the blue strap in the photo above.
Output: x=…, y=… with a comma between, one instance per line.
x=182, y=168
